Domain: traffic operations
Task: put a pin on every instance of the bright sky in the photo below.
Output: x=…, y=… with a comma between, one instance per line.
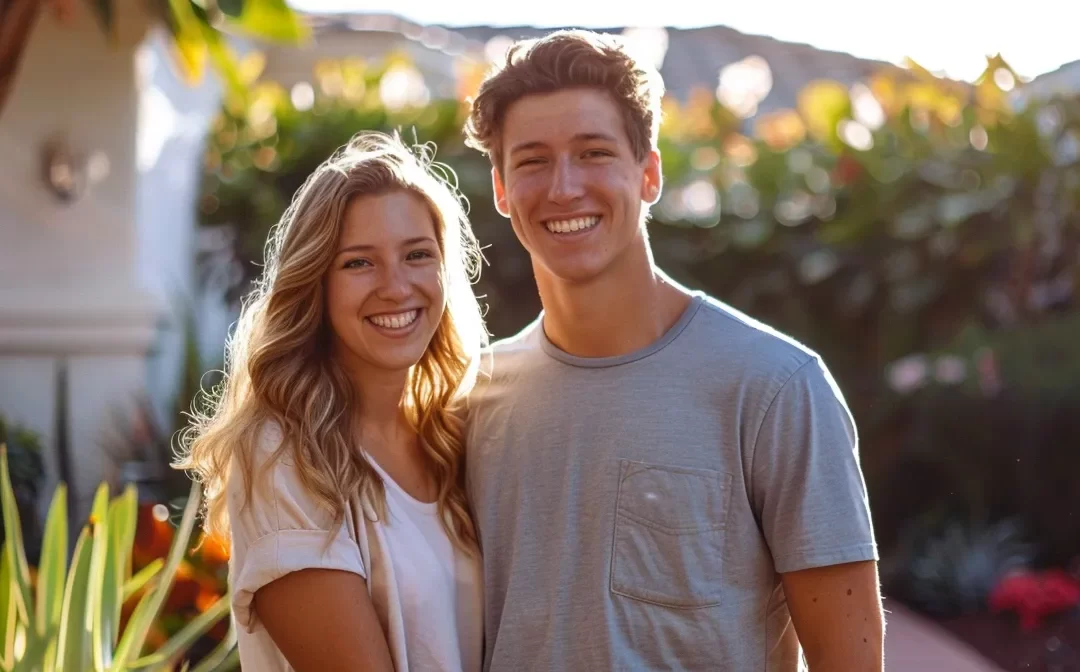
x=1034, y=36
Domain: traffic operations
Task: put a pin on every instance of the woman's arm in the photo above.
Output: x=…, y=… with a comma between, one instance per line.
x=323, y=620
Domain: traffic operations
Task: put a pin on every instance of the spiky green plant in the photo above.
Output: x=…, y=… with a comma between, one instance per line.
x=956, y=569
x=69, y=618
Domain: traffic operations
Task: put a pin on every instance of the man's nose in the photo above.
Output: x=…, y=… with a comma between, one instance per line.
x=566, y=183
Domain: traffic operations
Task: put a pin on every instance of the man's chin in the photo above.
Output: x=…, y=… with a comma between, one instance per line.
x=577, y=274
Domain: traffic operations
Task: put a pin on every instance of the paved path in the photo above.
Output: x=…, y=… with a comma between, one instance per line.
x=915, y=644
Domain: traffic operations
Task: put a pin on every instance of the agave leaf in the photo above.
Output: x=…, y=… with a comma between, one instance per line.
x=127, y=640
x=52, y=569
x=34, y=651
x=99, y=583
x=145, y=575
x=106, y=615
x=131, y=643
x=15, y=552
x=73, y=647
x=224, y=658
x=7, y=611
x=187, y=636
x=22, y=643
x=122, y=516
x=51, y=645
x=126, y=522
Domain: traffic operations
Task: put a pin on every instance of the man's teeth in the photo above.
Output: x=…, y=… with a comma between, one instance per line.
x=396, y=321
x=571, y=225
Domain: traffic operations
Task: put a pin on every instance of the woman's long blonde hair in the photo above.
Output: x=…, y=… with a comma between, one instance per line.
x=279, y=368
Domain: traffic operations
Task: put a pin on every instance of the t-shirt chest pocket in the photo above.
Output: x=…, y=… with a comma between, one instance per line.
x=668, y=542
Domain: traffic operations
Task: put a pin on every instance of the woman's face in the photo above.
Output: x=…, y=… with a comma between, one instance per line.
x=384, y=289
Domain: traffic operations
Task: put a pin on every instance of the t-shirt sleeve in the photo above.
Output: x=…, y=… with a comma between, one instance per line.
x=807, y=485
x=282, y=528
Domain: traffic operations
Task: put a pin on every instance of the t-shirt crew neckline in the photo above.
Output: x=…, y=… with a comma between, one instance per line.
x=429, y=508
x=553, y=351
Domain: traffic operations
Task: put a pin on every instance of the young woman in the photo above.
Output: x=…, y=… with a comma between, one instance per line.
x=332, y=457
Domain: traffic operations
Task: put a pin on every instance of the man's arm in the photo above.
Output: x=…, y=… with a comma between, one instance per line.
x=811, y=500
x=837, y=614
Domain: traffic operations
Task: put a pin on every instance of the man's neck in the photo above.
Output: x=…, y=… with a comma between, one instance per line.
x=629, y=307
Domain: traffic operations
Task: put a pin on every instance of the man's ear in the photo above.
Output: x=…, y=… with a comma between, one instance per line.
x=500, y=193
x=652, y=182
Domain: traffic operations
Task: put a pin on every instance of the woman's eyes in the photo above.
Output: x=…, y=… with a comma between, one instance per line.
x=415, y=255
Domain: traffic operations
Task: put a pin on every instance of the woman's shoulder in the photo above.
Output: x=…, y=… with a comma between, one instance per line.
x=261, y=451
x=277, y=485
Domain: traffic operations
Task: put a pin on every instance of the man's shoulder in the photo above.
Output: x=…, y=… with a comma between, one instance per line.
x=726, y=337
x=512, y=350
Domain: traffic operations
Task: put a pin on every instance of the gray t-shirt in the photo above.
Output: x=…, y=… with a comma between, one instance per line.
x=635, y=511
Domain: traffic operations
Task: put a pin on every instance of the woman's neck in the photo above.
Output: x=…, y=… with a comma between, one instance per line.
x=380, y=395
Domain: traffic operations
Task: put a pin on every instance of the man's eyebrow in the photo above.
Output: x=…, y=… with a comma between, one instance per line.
x=537, y=144
x=524, y=146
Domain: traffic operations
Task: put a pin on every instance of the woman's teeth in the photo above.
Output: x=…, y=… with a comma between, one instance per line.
x=571, y=225
x=396, y=320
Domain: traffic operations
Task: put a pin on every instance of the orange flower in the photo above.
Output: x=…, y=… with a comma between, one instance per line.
x=213, y=551
x=185, y=588
x=781, y=130
x=469, y=75
x=206, y=599
x=152, y=535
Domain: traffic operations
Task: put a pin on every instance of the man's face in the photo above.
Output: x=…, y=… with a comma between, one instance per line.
x=570, y=184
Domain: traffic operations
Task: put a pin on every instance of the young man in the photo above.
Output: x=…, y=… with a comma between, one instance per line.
x=659, y=481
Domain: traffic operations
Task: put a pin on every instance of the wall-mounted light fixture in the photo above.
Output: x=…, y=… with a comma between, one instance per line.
x=68, y=174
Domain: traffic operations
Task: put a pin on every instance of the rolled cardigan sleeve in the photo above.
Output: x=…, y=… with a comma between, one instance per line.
x=283, y=528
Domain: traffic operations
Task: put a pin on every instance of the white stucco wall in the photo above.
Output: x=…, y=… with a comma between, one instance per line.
x=71, y=294
x=174, y=118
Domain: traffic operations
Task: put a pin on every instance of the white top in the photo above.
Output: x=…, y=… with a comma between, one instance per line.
x=428, y=594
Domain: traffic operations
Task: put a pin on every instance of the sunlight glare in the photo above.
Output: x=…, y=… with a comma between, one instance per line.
x=650, y=43
x=744, y=84
x=855, y=135
x=866, y=108
x=403, y=86
x=303, y=96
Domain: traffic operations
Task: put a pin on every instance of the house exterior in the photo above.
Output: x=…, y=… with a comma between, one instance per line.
x=97, y=183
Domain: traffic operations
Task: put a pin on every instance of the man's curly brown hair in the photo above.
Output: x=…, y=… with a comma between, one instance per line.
x=568, y=59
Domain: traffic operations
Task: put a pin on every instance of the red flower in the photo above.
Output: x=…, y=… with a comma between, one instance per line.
x=847, y=171
x=1035, y=596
